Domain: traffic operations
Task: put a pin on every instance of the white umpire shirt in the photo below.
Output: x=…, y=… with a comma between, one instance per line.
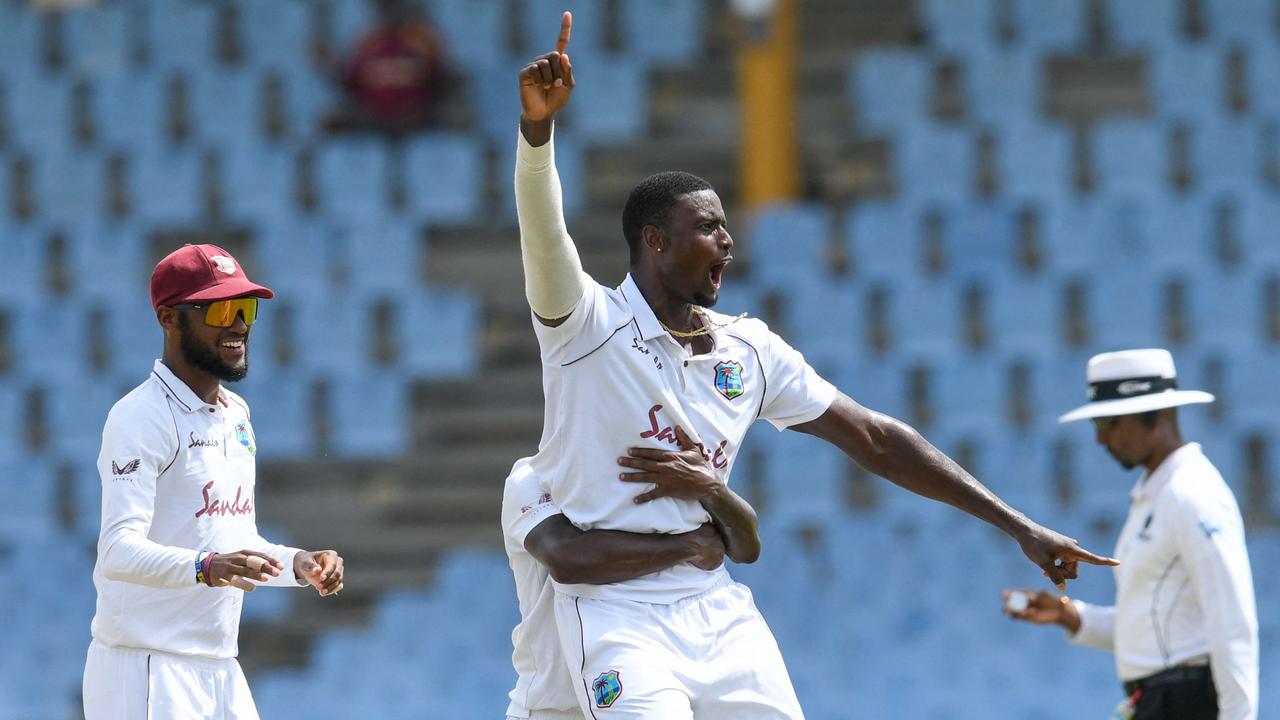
x=613, y=378
x=177, y=478
x=543, y=681
x=1184, y=592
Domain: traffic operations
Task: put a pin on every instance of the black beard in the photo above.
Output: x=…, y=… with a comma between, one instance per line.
x=705, y=300
x=202, y=358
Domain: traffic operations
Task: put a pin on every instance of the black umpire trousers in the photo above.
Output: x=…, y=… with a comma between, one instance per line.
x=1182, y=699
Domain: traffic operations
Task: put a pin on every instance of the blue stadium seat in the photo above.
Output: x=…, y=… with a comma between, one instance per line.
x=1023, y=313
x=664, y=31
x=1129, y=155
x=1003, y=86
x=78, y=409
x=439, y=333
x=19, y=38
x=788, y=241
x=979, y=239
x=70, y=186
x=1067, y=224
x=824, y=319
x=53, y=340
x=353, y=178
x=343, y=331
x=296, y=256
x=275, y=34
x=970, y=392
x=1253, y=393
x=959, y=28
x=542, y=23
x=473, y=29
x=1263, y=76
x=1050, y=26
x=27, y=500
x=350, y=21
x=383, y=255
x=259, y=181
x=282, y=415
x=805, y=479
x=445, y=177
x=39, y=110
x=889, y=90
x=935, y=162
x=181, y=35
x=882, y=238
x=496, y=108
x=1151, y=26
x=24, y=247
x=98, y=40
x=1259, y=215
x=1248, y=22
x=1139, y=325
x=1186, y=80
x=130, y=111
x=225, y=107
x=167, y=183
x=1225, y=308
x=134, y=338
x=614, y=102
x=928, y=316
x=1033, y=158
x=371, y=416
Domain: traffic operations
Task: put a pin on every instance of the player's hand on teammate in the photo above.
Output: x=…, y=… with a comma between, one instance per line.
x=708, y=547
x=682, y=474
x=1057, y=555
x=1041, y=607
x=239, y=568
x=547, y=81
x=321, y=568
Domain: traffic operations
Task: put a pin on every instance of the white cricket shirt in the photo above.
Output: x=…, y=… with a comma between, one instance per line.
x=1184, y=590
x=543, y=681
x=614, y=379
x=177, y=478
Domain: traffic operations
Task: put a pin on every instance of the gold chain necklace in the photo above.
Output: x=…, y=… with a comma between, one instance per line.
x=708, y=325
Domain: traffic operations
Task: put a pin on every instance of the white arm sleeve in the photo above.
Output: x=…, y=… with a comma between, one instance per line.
x=143, y=446
x=1097, y=626
x=553, y=277
x=285, y=555
x=1211, y=541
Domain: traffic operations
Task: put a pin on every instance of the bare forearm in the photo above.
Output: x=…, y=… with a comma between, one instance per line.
x=599, y=557
x=737, y=522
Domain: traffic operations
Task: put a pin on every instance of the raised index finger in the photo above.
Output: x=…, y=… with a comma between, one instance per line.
x=566, y=28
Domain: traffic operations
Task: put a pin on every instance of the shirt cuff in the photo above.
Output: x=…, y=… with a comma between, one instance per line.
x=286, y=578
x=1095, y=630
x=535, y=158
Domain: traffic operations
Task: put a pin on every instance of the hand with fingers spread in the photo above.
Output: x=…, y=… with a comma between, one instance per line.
x=682, y=474
x=321, y=568
x=1042, y=608
x=709, y=547
x=547, y=81
x=1057, y=555
x=239, y=568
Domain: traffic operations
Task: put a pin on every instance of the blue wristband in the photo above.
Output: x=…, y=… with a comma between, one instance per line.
x=200, y=578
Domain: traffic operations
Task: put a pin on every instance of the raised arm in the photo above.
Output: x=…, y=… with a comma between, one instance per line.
x=896, y=452
x=599, y=557
x=554, y=280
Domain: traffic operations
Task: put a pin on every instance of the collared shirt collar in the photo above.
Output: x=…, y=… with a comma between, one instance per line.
x=649, y=325
x=178, y=390
x=1150, y=484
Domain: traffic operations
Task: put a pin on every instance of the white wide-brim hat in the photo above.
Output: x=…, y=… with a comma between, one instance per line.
x=1133, y=381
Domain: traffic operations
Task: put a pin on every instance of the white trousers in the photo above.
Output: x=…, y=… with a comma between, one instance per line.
x=710, y=657
x=131, y=684
x=549, y=715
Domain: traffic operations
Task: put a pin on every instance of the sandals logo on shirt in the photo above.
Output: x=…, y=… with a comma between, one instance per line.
x=607, y=688
x=244, y=434
x=729, y=379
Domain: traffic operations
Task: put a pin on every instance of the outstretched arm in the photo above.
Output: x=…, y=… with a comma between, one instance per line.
x=599, y=557
x=554, y=280
x=896, y=452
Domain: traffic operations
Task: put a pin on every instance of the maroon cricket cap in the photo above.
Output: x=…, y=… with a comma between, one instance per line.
x=196, y=273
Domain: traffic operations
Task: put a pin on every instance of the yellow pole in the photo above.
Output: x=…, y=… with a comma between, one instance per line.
x=767, y=152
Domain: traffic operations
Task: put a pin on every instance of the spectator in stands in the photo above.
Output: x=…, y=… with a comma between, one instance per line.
x=1184, y=627
x=179, y=544
x=395, y=76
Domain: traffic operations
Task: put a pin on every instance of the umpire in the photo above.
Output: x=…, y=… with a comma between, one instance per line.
x=1184, y=627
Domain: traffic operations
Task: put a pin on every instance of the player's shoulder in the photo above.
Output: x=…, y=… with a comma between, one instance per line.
x=146, y=407
x=235, y=400
x=1197, y=488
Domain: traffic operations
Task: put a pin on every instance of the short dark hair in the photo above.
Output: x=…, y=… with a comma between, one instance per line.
x=651, y=199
